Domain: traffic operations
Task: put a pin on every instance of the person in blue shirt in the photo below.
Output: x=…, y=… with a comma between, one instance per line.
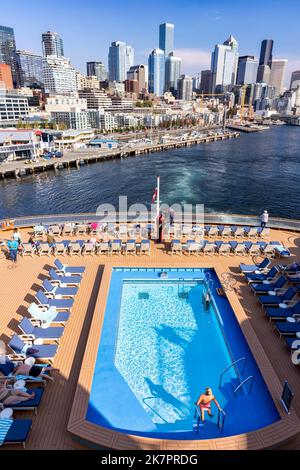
x=13, y=246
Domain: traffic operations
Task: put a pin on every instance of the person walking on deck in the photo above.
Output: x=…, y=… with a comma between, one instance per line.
x=13, y=247
x=264, y=218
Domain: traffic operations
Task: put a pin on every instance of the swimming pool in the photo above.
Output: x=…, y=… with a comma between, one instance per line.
x=160, y=347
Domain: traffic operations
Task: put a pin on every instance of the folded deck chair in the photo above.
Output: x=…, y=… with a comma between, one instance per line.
x=287, y=328
x=280, y=314
x=59, y=304
x=27, y=349
x=31, y=404
x=27, y=249
x=267, y=286
x=145, y=247
x=274, y=300
x=251, y=268
x=65, y=269
x=58, y=292
x=64, y=281
x=49, y=315
x=60, y=249
x=53, y=333
x=260, y=277
x=130, y=247
x=44, y=249
x=18, y=432
x=88, y=249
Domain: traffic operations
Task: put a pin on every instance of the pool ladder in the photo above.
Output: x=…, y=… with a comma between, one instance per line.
x=220, y=421
x=250, y=378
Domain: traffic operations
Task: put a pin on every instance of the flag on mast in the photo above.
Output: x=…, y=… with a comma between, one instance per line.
x=154, y=197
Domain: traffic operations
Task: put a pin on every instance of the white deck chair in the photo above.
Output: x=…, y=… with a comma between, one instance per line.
x=67, y=229
x=240, y=249
x=145, y=247
x=209, y=249
x=60, y=249
x=44, y=249
x=226, y=232
x=176, y=248
x=213, y=232
x=225, y=249
x=254, y=249
x=102, y=248
x=270, y=251
x=55, y=230
x=116, y=247
x=80, y=229
x=74, y=249
x=27, y=249
x=88, y=249
x=265, y=233
x=239, y=233
x=192, y=248
x=252, y=232
x=130, y=247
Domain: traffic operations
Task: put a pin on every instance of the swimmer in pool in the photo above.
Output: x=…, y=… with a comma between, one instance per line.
x=204, y=402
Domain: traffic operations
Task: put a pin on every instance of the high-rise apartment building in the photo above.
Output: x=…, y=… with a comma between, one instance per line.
x=156, y=64
x=185, y=88
x=96, y=69
x=138, y=73
x=6, y=80
x=224, y=63
x=8, y=50
x=247, y=70
x=166, y=38
x=120, y=59
x=59, y=75
x=172, y=73
x=52, y=44
x=278, y=74
x=295, y=80
x=30, y=69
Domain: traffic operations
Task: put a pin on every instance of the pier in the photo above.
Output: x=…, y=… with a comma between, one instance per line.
x=17, y=169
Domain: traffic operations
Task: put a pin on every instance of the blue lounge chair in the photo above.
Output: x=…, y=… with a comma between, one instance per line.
x=293, y=279
x=31, y=404
x=65, y=269
x=272, y=286
x=269, y=276
x=281, y=250
x=250, y=268
x=292, y=343
x=51, y=333
x=7, y=373
x=41, y=351
x=41, y=314
x=54, y=291
x=18, y=432
x=277, y=313
x=287, y=328
x=273, y=300
x=64, y=281
x=60, y=304
x=293, y=268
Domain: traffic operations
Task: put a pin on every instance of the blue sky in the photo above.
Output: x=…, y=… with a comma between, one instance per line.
x=87, y=27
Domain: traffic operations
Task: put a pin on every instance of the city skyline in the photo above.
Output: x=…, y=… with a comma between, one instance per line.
x=198, y=27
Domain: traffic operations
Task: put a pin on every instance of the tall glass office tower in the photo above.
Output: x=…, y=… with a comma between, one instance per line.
x=52, y=44
x=172, y=73
x=266, y=52
x=30, y=68
x=8, y=50
x=166, y=38
x=156, y=65
x=120, y=59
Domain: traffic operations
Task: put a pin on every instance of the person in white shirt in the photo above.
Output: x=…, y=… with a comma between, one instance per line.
x=16, y=236
x=264, y=218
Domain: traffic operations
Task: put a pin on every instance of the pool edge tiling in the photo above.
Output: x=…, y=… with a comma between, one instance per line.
x=277, y=432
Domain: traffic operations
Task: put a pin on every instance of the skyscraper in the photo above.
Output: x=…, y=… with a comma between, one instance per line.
x=247, y=70
x=263, y=73
x=266, y=52
x=137, y=73
x=8, y=50
x=59, y=75
x=96, y=69
x=205, y=83
x=120, y=59
x=30, y=68
x=166, y=38
x=172, y=73
x=52, y=44
x=277, y=74
x=224, y=63
x=156, y=63
x=295, y=80
x=185, y=88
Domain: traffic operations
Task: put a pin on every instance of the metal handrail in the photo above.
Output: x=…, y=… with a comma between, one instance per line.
x=231, y=365
x=251, y=377
x=220, y=423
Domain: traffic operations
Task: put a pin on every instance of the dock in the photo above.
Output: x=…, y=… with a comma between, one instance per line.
x=17, y=169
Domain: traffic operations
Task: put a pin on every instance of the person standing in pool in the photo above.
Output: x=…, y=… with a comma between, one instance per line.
x=204, y=402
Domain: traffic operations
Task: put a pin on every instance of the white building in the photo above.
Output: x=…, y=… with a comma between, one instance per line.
x=277, y=75
x=224, y=63
x=13, y=107
x=59, y=75
x=65, y=103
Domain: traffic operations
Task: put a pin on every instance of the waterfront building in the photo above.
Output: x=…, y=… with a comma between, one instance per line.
x=156, y=64
x=289, y=102
x=295, y=80
x=6, y=80
x=18, y=144
x=185, y=88
x=96, y=69
x=247, y=70
x=206, y=81
x=172, y=73
x=277, y=75
x=59, y=75
x=224, y=63
x=137, y=73
x=75, y=119
x=8, y=51
x=266, y=52
x=95, y=99
x=30, y=69
x=166, y=38
x=52, y=44
x=13, y=107
x=120, y=59
x=263, y=73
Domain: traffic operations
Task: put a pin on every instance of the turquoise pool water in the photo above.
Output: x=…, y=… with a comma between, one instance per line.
x=160, y=347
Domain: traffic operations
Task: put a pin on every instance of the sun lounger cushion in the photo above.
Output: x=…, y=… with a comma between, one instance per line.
x=18, y=431
x=30, y=403
x=5, y=425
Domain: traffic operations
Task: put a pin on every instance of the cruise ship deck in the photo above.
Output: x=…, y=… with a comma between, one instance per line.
x=59, y=423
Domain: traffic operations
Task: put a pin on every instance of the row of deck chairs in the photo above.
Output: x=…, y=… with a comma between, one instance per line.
x=53, y=306
x=205, y=247
x=236, y=232
x=81, y=229
x=82, y=247
x=277, y=289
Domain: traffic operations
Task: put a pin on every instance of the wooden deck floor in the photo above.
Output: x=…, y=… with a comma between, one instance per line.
x=18, y=283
